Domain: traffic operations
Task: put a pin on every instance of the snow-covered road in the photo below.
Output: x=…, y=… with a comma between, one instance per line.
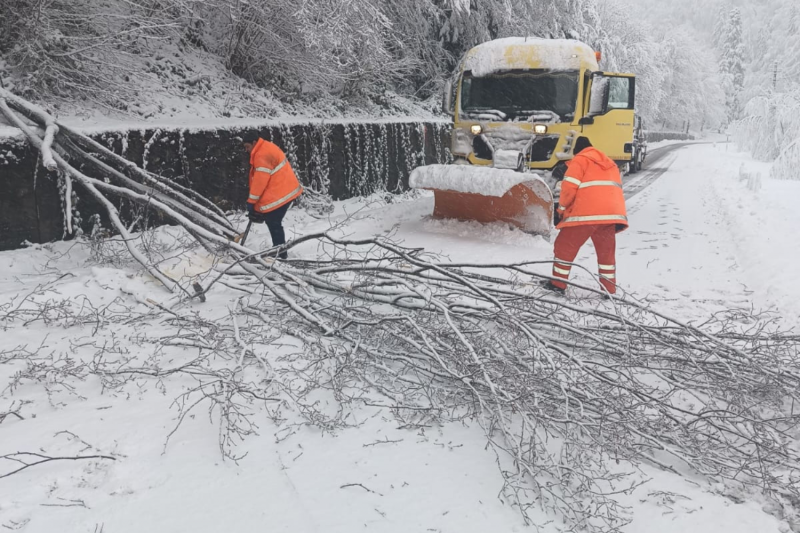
x=702, y=239
x=710, y=232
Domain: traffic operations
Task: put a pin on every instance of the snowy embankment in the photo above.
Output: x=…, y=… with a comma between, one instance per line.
x=183, y=87
x=697, y=236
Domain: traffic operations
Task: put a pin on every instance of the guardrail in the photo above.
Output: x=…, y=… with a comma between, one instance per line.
x=658, y=136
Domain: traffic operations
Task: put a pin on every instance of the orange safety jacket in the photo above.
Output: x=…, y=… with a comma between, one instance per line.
x=591, y=192
x=272, y=180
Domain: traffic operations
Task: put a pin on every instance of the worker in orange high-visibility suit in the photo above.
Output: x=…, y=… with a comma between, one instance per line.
x=273, y=186
x=591, y=206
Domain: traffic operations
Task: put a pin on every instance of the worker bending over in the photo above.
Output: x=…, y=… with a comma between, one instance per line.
x=591, y=206
x=273, y=186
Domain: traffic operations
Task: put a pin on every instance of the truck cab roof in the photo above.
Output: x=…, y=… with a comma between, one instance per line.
x=521, y=53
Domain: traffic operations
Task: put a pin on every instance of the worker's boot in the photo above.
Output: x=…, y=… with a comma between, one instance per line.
x=547, y=284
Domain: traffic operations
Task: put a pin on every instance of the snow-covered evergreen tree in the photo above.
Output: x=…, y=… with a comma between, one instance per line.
x=770, y=124
x=721, y=27
x=732, y=63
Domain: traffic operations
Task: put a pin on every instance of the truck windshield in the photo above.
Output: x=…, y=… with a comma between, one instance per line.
x=542, y=96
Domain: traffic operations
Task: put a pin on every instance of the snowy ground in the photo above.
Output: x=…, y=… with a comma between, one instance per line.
x=714, y=229
x=702, y=239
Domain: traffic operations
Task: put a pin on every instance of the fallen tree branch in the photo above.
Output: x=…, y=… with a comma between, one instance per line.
x=563, y=390
x=39, y=459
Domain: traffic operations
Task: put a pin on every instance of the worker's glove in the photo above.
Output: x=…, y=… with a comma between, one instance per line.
x=251, y=213
x=559, y=171
x=557, y=217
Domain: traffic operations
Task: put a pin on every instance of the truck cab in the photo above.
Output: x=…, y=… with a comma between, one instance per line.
x=521, y=102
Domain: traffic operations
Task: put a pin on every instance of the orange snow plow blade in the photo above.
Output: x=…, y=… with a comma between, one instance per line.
x=488, y=195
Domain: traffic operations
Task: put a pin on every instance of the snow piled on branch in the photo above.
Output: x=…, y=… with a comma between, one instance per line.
x=770, y=130
x=785, y=167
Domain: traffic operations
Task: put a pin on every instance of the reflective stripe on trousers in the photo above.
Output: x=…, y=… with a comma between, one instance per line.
x=561, y=268
x=608, y=272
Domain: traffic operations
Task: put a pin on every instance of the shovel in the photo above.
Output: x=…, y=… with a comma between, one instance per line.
x=241, y=238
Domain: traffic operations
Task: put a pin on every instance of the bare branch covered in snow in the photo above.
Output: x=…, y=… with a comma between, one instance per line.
x=204, y=223
x=31, y=459
x=13, y=411
x=562, y=390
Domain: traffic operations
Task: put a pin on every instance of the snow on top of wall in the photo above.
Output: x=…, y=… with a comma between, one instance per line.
x=203, y=124
x=468, y=179
x=238, y=124
x=529, y=53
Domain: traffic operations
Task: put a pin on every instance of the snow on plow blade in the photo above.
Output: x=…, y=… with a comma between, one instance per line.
x=487, y=194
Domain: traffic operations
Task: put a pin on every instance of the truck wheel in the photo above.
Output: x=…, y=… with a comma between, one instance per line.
x=632, y=167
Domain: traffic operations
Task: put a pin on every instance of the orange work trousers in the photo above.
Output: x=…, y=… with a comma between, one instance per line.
x=569, y=242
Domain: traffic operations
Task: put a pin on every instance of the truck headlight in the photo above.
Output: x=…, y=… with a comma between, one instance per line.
x=540, y=129
x=476, y=129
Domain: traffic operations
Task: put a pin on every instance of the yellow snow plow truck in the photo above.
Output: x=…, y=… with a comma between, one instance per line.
x=518, y=104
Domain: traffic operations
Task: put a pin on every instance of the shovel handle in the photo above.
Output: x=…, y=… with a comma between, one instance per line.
x=243, y=237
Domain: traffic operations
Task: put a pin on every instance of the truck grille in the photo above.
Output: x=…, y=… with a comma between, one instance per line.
x=481, y=149
x=542, y=148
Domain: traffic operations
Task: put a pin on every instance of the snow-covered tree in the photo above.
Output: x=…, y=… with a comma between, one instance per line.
x=341, y=53
x=770, y=123
x=721, y=28
x=693, y=91
x=677, y=79
x=628, y=45
x=732, y=62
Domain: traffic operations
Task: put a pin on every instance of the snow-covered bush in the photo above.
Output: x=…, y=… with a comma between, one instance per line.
x=785, y=167
x=770, y=130
x=329, y=53
x=75, y=48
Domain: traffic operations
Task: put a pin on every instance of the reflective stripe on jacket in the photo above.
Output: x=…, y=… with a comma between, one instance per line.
x=591, y=192
x=272, y=180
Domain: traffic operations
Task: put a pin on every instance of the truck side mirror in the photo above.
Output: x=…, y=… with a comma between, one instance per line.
x=447, y=98
x=586, y=121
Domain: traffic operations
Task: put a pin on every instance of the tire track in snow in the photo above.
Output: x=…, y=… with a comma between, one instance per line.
x=635, y=185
